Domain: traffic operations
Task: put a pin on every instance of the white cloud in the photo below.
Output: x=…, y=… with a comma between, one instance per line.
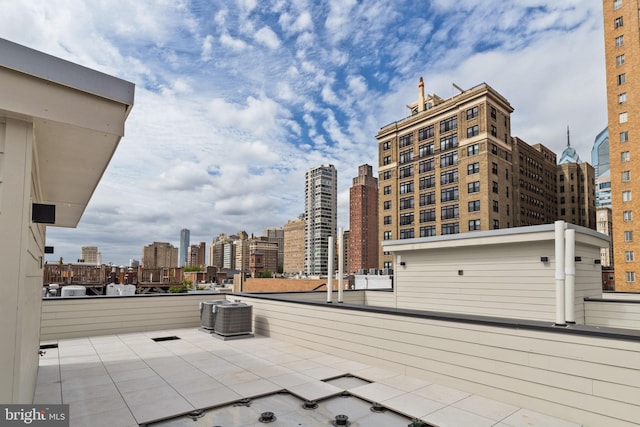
x=233, y=43
x=207, y=48
x=267, y=37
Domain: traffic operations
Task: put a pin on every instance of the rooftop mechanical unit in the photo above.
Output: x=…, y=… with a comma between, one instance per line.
x=74, y=291
x=233, y=319
x=208, y=313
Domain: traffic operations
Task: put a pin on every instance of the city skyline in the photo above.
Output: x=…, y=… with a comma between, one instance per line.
x=234, y=103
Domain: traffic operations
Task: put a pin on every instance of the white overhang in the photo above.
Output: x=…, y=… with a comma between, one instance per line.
x=78, y=117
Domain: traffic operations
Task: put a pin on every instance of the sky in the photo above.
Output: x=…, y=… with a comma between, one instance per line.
x=235, y=100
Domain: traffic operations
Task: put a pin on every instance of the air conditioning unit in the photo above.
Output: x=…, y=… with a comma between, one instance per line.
x=208, y=313
x=233, y=319
x=74, y=291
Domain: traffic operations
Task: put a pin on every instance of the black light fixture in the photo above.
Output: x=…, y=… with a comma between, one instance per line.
x=596, y=261
x=578, y=259
x=544, y=259
x=48, y=249
x=43, y=214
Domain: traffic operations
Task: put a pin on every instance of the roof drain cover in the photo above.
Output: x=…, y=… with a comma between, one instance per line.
x=267, y=417
x=418, y=423
x=376, y=407
x=310, y=404
x=194, y=415
x=345, y=394
x=341, y=420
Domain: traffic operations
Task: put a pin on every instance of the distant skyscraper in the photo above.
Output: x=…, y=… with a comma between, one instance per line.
x=196, y=256
x=363, y=221
x=294, y=246
x=321, y=217
x=602, y=168
x=90, y=255
x=159, y=254
x=276, y=234
x=184, y=247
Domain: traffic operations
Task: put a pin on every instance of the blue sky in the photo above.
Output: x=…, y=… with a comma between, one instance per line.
x=235, y=100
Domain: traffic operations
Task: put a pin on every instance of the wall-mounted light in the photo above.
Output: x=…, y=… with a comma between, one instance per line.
x=578, y=259
x=596, y=261
x=48, y=249
x=402, y=263
x=460, y=272
x=544, y=259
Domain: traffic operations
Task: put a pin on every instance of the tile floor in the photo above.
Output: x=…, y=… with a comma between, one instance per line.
x=129, y=379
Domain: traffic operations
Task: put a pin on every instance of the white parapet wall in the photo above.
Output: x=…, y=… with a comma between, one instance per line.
x=503, y=273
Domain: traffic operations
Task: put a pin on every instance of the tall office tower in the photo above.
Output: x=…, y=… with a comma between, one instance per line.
x=321, y=217
x=602, y=169
x=604, y=226
x=534, y=186
x=276, y=234
x=90, y=255
x=622, y=61
x=242, y=253
x=294, y=246
x=159, y=254
x=196, y=255
x=222, y=252
x=363, y=221
x=263, y=255
x=184, y=247
x=442, y=169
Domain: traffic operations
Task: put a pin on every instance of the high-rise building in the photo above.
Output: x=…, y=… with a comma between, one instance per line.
x=263, y=255
x=622, y=62
x=604, y=226
x=242, y=254
x=321, y=217
x=452, y=166
x=276, y=234
x=576, y=189
x=184, y=247
x=363, y=221
x=222, y=252
x=159, y=254
x=602, y=169
x=294, y=246
x=196, y=255
x=90, y=255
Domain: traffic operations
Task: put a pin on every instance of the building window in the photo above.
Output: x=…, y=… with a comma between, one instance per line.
x=427, y=182
x=387, y=220
x=494, y=149
x=563, y=212
x=453, y=228
x=406, y=218
x=620, y=41
x=626, y=176
x=625, y=156
x=473, y=149
x=406, y=171
x=474, y=206
x=496, y=206
x=386, y=145
x=473, y=187
x=427, y=199
x=626, y=196
x=427, y=165
x=623, y=117
x=620, y=60
x=387, y=204
x=631, y=276
x=407, y=234
x=386, y=160
x=624, y=136
x=406, y=140
x=622, y=79
x=562, y=200
x=406, y=187
x=617, y=23
x=473, y=168
x=494, y=131
x=449, y=194
x=406, y=203
x=406, y=156
x=449, y=124
x=387, y=190
x=428, y=231
x=472, y=131
x=449, y=212
x=617, y=4
x=449, y=159
x=387, y=235
x=627, y=216
x=474, y=224
x=493, y=113
x=449, y=177
x=494, y=187
x=628, y=236
x=386, y=175
x=472, y=113
x=449, y=142
x=426, y=150
x=494, y=168
x=427, y=215
x=496, y=224
x=387, y=264
x=425, y=133
x=622, y=98
x=629, y=256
